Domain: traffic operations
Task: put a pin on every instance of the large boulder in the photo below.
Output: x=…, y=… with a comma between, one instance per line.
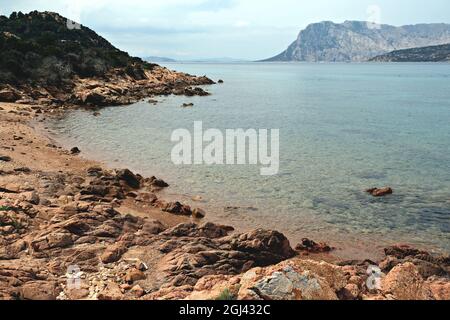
x=404, y=282
x=129, y=178
x=268, y=247
x=40, y=290
x=286, y=281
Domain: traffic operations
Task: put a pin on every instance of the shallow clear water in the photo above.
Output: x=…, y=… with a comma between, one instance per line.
x=343, y=128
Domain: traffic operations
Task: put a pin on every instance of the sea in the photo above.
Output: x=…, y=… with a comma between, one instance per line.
x=343, y=128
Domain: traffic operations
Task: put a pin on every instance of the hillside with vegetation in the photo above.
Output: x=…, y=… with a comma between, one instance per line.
x=45, y=51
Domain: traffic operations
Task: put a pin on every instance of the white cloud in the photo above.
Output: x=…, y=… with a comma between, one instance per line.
x=241, y=24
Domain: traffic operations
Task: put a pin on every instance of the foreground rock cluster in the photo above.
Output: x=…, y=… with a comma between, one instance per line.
x=113, y=90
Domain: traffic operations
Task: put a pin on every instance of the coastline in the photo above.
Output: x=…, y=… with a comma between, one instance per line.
x=148, y=249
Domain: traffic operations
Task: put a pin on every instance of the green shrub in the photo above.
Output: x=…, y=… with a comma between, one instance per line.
x=226, y=295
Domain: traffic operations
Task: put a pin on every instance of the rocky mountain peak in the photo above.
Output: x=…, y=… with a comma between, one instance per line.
x=356, y=41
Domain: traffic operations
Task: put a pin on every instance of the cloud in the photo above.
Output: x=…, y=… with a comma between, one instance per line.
x=241, y=24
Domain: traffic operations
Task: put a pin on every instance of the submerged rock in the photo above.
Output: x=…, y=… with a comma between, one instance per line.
x=75, y=150
x=198, y=213
x=380, y=192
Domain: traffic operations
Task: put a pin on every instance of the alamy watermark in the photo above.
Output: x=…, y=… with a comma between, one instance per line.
x=74, y=11
x=374, y=280
x=373, y=17
x=73, y=276
x=231, y=147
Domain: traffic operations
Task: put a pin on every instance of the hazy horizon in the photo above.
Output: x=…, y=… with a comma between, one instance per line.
x=212, y=29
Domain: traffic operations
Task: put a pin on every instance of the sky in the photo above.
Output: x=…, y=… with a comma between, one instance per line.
x=240, y=29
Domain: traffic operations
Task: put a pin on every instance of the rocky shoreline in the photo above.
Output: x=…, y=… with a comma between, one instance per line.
x=114, y=89
x=71, y=229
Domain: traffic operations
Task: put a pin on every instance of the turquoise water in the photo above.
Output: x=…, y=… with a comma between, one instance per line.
x=343, y=128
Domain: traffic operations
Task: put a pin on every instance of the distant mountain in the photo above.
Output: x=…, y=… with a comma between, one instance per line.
x=214, y=60
x=153, y=59
x=198, y=60
x=356, y=41
x=424, y=54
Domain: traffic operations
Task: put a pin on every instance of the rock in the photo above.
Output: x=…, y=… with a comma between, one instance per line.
x=5, y=158
x=113, y=253
x=177, y=208
x=217, y=287
x=332, y=274
x=313, y=247
x=187, y=105
x=220, y=81
x=23, y=170
x=141, y=266
x=403, y=251
x=134, y=275
x=39, y=290
x=111, y=292
x=137, y=291
x=96, y=190
x=77, y=294
x=158, y=183
x=207, y=230
x=59, y=240
x=198, y=213
x=380, y=192
x=405, y=283
x=269, y=246
x=9, y=94
x=440, y=288
x=197, y=198
x=284, y=282
x=152, y=227
x=427, y=264
x=149, y=198
x=129, y=178
x=31, y=197
x=94, y=171
x=75, y=150
x=350, y=292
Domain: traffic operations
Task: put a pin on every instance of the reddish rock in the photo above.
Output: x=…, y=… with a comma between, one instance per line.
x=137, y=291
x=134, y=275
x=40, y=290
x=112, y=291
x=313, y=247
x=177, y=208
x=405, y=283
x=113, y=253
x=380, y=192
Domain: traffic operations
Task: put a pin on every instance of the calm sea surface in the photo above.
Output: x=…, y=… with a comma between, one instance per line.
x=343, y=128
